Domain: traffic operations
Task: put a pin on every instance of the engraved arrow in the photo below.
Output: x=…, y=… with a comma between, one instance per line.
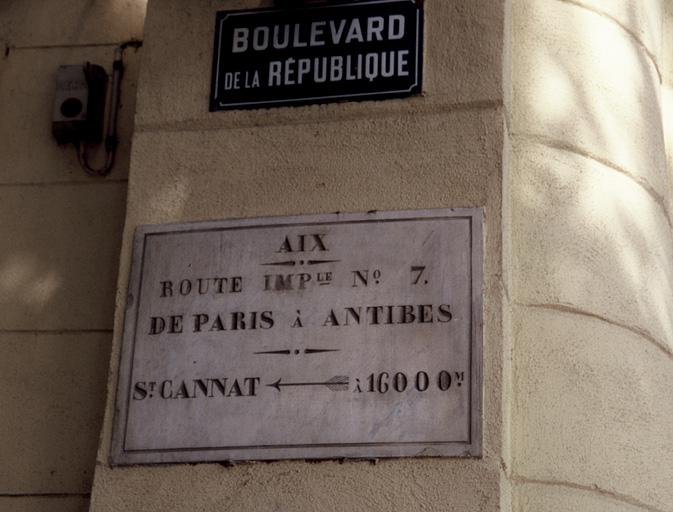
x=337, y=383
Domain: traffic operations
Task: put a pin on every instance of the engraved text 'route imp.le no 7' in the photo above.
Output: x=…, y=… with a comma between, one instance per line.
x=318, y=54
x=303, y=337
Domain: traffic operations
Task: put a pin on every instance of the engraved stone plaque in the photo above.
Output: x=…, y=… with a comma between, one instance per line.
x=344, y=335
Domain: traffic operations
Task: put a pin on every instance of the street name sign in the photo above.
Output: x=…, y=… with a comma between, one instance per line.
x=317, y=54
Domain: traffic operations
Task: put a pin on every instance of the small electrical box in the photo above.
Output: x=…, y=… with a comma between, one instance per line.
x=79, y=105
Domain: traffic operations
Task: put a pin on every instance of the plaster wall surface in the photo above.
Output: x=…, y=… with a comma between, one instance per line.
x=590, y=246
x=44, y=503
x=667, y=85
x=576, y=186
x=442, y=149
x=61, y=233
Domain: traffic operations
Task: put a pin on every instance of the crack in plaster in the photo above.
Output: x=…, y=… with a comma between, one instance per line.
x=632, y=34
x=505, y=289
x=570, y=309
x=565, y=146
x=624, y=498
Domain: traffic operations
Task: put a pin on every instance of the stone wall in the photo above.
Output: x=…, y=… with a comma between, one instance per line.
x=552, y=115
x=61, y=235
x=590, y=257
x=442, y=149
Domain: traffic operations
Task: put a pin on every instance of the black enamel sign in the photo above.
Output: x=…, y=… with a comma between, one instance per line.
x=353, y=51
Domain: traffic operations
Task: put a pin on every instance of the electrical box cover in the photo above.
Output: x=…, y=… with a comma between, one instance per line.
x=79, y=104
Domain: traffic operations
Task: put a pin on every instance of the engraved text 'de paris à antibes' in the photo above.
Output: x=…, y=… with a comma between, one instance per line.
x=345, y=335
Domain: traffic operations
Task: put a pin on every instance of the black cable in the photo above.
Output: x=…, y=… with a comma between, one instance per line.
x=84, y=161
x=111, y=139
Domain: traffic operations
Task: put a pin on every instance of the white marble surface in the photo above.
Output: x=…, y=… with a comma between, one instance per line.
x=345, y=335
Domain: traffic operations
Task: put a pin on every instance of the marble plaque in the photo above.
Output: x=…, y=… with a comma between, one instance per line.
x=344, y=335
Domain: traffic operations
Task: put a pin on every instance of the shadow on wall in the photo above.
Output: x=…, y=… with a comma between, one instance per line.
x=31, y=23
x=58, y=268
x=592, y=243
x=588, y=113
x=59, y=257
x=667, y=89
x=26, y=282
